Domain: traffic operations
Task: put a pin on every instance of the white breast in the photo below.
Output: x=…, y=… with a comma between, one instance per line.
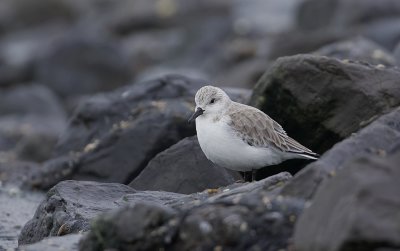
x=224, y=148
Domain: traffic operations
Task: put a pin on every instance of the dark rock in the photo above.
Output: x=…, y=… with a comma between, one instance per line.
x=315, y=14
x=183, y=168
x=375, y=139
x=249, y=218
x=69, y=206
x=17, y=207
x=146, y=217
x=357, y=209
x=357, y=49
x=320, y=101
x=67, y=242
x=97, y=115
x=111, y=137
x=79, y=65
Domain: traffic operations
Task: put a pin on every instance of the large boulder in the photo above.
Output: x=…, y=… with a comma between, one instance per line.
x=245, y=217
x=358, y=209
x=183, y=168
x=374, y=140
x=320, y=100
x=70, y=205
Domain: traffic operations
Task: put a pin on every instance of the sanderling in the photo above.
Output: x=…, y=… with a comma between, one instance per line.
x=240, y=137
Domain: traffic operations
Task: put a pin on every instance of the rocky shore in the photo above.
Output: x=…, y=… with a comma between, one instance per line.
x=96, y=152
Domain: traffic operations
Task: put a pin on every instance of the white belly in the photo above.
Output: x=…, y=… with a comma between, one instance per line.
x=225, y=149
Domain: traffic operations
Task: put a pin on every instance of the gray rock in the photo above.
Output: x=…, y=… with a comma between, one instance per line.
x=183, y=168
x=111, y=137
x=357, y=209
x=248, y=217
x=321, y=101
x=357, y=49
x=67, y=243
x=99, y=113
x=374, y=140
x=17, y=207
x=68, y=207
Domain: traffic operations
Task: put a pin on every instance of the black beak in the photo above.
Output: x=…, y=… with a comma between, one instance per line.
x=197, y=113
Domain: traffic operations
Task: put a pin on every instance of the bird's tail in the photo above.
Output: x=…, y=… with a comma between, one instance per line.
x=309, y=155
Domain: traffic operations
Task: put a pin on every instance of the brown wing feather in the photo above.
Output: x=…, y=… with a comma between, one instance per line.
x=258, y=129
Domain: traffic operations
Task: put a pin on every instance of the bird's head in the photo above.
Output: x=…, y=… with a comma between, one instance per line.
x=210, y=101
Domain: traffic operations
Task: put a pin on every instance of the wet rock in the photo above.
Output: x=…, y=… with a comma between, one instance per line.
x=358, y=49
x=320, y=101
x=67, y=242
x=68, y=207
x=375, y=139
x=357, y=209
x=79, y=65
x=235, y=222
x=183, y=168
x=17, y=207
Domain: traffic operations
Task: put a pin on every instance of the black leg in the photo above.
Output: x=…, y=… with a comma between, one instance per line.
x=253, y=175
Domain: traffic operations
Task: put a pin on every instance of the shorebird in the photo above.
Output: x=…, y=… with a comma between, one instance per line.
x=240, y=137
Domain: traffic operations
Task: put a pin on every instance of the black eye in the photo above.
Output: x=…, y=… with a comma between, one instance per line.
x=212, y=101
